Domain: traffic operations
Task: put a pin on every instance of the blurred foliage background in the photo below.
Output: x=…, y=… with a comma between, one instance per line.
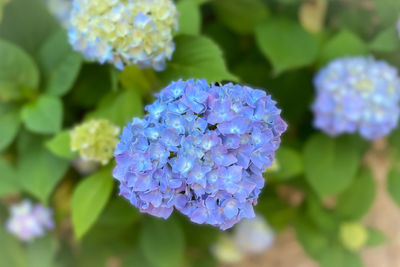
x=319, y=184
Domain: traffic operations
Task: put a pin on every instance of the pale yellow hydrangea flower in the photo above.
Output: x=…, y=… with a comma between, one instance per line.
x=353, y=235
x=95, y=140
x=124, y=32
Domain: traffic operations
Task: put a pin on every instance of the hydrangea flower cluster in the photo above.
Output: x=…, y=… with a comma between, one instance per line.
x=28, y=221
x=124, y=32
x=61, y=10
x=201, y=149
x=357, y=94
x=95, y=140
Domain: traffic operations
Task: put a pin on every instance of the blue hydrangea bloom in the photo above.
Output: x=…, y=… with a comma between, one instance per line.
x=358, y=94
x=201, y=149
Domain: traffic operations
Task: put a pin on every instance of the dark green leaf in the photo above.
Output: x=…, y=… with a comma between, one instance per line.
x=286, y=44
x=162, y=242
x=343, y=44
x=357, y=199
x=18, y=72
x=313, y=241
x=39, y=171
x=189, y=17
x=43, y=115
x=89, y=199
x=241, y=15
x=330, y=164
x=9, y=125
x=27, y=23
x=8, y=178
x=60, y=145
x=119, y=107
x=59, y=63
x=196, y=57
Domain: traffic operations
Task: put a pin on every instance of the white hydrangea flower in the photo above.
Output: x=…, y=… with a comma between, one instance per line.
x=124, y=32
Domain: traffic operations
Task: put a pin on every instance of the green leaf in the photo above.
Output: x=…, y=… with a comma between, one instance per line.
x=162, y=242
x=189, y=20
x=11, y=253
x=386, y=41
x=59, y=63
x=43, y=115
x=330, y=164
x=8, y=179
x=289, y=163
x=142, y=81
x=60, y=146
x=313, y=241
x=375, y=238
x=286, y=44
x=387, y=11
x=119, y=107
x=39, y=171
x=18, y=72
x=343, y=44
x=41, y=252
x=241, y=15
x=393, y=185
x=338, y=256
x=89, y=199
x=27, y=23
x=9, y=126
x=356, y=201
x=196, y=57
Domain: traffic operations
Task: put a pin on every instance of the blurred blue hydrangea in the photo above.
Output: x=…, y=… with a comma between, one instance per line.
x=201, y=149
x=357, y=94
x=28, y=221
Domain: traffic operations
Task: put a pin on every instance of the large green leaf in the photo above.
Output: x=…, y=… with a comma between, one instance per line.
x=289, y=164
x=143, y=81
x=119, y=107
x=162, y=242
x=9, y=125
x=41, y=252
x=27, y=23
x=89, y=199
x=241, y=15
x=39, y=171
x=59, y=63
x=60, y=145
x=330, y=164
x=286, y=44
x=357, y=199
x=386, y=41
x=11, y=253
x=343, y=44
x=44, y=115
x=338, y=256
x=8, y=178
x=18, y=72
x=196, y=57
x=393, y=185
x=189, y=17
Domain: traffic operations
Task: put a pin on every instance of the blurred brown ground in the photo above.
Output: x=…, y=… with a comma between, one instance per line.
x=384, y=215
